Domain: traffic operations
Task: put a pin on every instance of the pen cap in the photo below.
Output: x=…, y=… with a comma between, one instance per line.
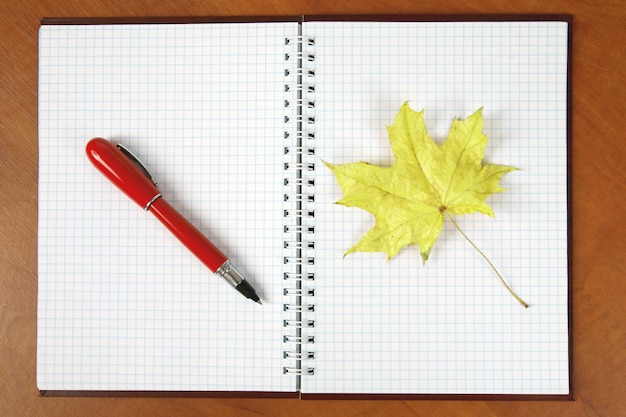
x=121, y=171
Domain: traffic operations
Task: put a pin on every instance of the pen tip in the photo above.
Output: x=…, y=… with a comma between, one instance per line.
x=259, y=302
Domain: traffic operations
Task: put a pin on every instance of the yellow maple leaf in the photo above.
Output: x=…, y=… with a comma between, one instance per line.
x=427, y=183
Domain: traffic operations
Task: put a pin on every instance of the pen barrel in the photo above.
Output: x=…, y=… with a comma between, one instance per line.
x=188, y=234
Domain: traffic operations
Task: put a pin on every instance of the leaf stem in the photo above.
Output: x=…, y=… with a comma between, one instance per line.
x=522, y=302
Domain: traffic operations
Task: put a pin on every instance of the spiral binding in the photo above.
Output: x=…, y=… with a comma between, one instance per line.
x=299, y=199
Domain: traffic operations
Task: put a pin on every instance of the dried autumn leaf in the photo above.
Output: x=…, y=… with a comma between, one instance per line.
x=427, y=183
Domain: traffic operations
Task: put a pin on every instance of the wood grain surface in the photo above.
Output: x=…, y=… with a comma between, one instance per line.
x=598, y=232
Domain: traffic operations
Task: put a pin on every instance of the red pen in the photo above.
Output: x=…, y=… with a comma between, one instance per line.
x=124, y=170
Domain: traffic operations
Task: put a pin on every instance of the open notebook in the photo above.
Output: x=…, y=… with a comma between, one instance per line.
x=233, y=120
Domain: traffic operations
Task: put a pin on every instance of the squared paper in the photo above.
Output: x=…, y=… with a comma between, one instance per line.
x=122, y=304
x=449, y=326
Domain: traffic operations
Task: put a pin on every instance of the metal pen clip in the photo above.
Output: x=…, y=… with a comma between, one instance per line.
x=140, y=166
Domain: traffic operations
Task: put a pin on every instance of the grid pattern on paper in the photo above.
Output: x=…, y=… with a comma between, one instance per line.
x=449, y=326
x=122, y=305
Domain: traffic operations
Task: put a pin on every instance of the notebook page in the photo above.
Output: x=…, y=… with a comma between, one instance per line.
x=122, y=304
x=449, y=326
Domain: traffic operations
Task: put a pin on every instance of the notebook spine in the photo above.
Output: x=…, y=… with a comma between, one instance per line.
x=299, y=197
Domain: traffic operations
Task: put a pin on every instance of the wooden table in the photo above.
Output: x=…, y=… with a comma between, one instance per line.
x=598, y=188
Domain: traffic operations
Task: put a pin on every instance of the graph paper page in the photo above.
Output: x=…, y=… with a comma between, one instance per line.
x=449, y=326
x=122, y=304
